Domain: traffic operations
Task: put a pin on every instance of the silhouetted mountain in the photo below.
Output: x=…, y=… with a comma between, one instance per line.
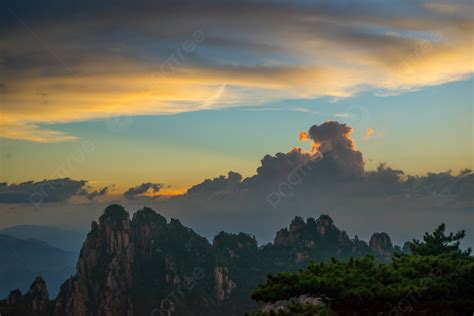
x=145, y=265
x=381, y=244
x=22, y=260
x=57, y=237
x=34, y=303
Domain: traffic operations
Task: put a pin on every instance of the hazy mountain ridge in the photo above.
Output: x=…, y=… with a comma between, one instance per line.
x=68, y=240
x=22, y=260
x=144, y=264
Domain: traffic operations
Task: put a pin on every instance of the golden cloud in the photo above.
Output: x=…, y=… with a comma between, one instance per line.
x=338, y=60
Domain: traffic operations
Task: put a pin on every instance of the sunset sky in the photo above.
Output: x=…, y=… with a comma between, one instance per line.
x=425, y=130
x=165, y=94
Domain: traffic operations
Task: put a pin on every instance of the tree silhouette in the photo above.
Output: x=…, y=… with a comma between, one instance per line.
x=439, y=243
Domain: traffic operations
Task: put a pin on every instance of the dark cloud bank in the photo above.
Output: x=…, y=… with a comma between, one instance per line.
x=47, y=191
x=141, y=190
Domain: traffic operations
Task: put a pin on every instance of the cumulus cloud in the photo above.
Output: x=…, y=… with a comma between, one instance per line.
x=336, y=166
x=46, y=191
x=333, y=140
x=301, y=50
x=221, y=184
x=142, y=190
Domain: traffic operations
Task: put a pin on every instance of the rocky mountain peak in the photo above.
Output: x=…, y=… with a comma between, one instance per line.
x=38, y=296
x=381, y=244
x=15, y=297
x=297, y=224
x=309, y=231
x=235, y=244
x=146, y=225
x=304, y=231
x=38, y=287
x=104, y=278
x=148, y=215
x=325, y=220
x=115, y=216
x=35, y=302
x=324, y=224
x=129, y=267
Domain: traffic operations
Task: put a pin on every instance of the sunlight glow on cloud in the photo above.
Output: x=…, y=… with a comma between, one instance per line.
x=33, y=133
x=315, y=51
x=369, y=132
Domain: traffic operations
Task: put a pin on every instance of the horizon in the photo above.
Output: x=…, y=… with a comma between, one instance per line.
x=155, y=103
x=210, y=238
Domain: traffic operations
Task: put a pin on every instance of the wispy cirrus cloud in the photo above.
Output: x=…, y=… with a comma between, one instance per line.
x=149, y=61
x=34, y=133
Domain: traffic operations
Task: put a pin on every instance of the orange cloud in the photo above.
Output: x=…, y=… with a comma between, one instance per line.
x=369, y=132
x=315, y=148
x=99, y=86
x=169, y=191
x=304, y=136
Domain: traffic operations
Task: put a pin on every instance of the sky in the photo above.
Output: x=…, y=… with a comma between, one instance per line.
x=154, y=97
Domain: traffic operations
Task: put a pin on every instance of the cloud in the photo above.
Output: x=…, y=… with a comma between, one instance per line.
x=143, y=190
x=220, y=184
x=46, y=191
x=210, y=56
x=31, y=132
x=369, y=132
x=94, y=194
x=332, y=139
x=333, y=159
x=336, y=166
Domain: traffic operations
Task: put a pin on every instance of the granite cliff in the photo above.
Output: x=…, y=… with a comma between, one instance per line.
x=149, y=266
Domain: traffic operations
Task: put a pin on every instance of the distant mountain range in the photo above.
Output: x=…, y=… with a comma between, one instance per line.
x=146, y=264
x=57, y=237
x=22, y=260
